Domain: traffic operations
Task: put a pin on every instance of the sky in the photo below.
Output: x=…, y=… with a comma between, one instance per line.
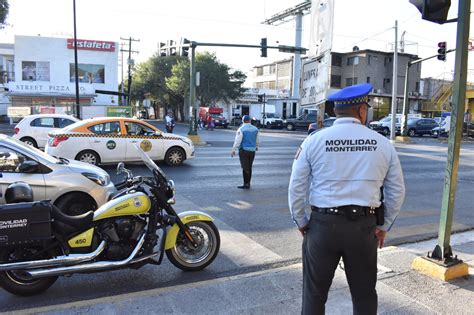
x=368, y=24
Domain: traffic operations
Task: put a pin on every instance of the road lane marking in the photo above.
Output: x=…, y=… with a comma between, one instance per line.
x=239, y=248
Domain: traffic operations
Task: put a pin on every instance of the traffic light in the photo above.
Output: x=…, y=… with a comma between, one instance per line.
x=263, y=47
x=184, y=49
x=433, y=10
x=162, y=49
x=261, y=98
x=442, y=51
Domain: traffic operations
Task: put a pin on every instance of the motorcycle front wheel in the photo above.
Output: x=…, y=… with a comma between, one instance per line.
x=19, y=282
x=185, y=257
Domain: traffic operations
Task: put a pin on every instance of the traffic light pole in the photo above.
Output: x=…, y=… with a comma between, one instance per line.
x=192, y=93
x=442, y=251
x=404, y=127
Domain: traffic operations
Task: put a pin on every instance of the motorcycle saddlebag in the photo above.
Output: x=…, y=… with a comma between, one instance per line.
x=25, y=223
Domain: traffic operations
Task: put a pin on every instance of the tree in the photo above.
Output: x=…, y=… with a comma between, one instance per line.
x=165, y=80
x=217, y=82
x=149, y=82
x=4, y=7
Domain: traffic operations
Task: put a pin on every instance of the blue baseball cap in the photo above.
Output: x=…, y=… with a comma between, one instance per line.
x=246, y=118
x=352, y=95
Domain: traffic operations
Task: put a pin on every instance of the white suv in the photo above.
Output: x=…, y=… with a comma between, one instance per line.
x=34, y=129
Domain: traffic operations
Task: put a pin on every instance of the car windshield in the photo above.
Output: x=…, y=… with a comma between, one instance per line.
x=74, y=125
x=385, y=119
x=148, y=161
x=33, y=150
x=272, y=115
x=412, y=120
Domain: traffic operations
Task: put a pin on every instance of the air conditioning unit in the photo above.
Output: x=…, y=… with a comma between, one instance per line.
x=379, y=91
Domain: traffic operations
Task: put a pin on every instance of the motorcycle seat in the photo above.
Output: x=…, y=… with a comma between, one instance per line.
x=77, y=221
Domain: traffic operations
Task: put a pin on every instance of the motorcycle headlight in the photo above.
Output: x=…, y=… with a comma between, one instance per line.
x=101, y=180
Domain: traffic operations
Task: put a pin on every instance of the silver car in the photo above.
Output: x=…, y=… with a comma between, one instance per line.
x=73, y=186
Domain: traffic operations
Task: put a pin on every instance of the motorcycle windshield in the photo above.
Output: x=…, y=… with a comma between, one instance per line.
x=148, y=161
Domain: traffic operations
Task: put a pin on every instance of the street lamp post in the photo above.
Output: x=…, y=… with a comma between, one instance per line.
x=76, y=74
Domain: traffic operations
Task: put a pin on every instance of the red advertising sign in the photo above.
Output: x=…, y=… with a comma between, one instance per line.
x=84, y=44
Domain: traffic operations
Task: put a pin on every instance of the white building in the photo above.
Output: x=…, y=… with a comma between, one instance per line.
x=44, y=74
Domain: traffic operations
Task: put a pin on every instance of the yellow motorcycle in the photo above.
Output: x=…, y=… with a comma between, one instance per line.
x=38, y=242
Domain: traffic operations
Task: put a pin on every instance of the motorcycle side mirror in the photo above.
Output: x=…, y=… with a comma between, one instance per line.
x=120, y=168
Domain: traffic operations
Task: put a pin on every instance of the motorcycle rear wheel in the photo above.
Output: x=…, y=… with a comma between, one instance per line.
x=187, y=258
x=18, y=282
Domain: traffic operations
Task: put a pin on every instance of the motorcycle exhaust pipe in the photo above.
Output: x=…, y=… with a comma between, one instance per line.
x=88, y=267
x=71, y=259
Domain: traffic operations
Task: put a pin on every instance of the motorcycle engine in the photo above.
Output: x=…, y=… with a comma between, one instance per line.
x=123, y=234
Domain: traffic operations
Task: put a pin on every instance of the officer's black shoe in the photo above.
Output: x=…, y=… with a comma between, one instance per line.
x=244, y=186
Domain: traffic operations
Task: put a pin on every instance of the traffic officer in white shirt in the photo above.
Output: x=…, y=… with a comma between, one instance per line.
x=341, y=172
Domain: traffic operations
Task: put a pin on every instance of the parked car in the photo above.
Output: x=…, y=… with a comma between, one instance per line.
x=113, y=139
x=328, y=122
x=420, y=126
x=34, y=129
x=301, y=121
x=73, y=186
x=219, y=120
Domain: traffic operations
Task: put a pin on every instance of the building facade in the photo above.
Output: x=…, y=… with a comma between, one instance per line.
x=43, y=75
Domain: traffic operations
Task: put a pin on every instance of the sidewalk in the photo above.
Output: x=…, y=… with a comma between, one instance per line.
x=278, y=291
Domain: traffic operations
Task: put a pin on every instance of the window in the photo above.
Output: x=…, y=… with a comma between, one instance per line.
x=368, y=79
x=386, y=82
x=336, y=60
x=259, y=71
x=88, y=73
x=35, y=70
x=387, y=60
x=43, y=122
x=10, y=160
x=335, y=80
x=63, y=122
x=352, y=61
x=111, y=127
x=351, y=81
x=135, y=129
x=417, y=86
x=272, y=69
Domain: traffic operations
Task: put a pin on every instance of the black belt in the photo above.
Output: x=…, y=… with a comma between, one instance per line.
x=352, y=210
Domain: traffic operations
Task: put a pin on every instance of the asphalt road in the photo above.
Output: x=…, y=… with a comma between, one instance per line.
x=255, y=226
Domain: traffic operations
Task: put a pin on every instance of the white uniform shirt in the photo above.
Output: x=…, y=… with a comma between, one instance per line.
x=346, y=164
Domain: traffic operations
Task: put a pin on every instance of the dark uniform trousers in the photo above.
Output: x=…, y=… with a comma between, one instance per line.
x=246, y=162
x=328, y=238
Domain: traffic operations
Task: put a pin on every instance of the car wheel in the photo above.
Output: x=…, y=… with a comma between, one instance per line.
x=75, y=204
x=290, y=127
x=411, y=132
x=386, y=131
x=88, y=157
x=175, y=156
x=29, y=141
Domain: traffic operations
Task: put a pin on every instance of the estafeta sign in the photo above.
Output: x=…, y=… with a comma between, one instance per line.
x=97, y=45
x=48, y=88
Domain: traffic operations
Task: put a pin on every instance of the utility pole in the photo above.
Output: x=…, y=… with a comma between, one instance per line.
x=394, y=86
x=121, y=64
x=192, y=93
x=130, y=64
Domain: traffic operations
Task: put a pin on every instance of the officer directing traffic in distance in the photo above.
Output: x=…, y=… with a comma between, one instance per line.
x=341, y=171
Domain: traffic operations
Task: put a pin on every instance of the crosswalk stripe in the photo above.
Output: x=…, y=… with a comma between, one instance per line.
x=236, y=246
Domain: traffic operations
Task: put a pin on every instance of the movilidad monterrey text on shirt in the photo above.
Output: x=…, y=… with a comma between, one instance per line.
x=351, y=145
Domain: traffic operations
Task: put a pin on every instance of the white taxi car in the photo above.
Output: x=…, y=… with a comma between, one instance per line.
x=113, y=139
x=34, y=129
